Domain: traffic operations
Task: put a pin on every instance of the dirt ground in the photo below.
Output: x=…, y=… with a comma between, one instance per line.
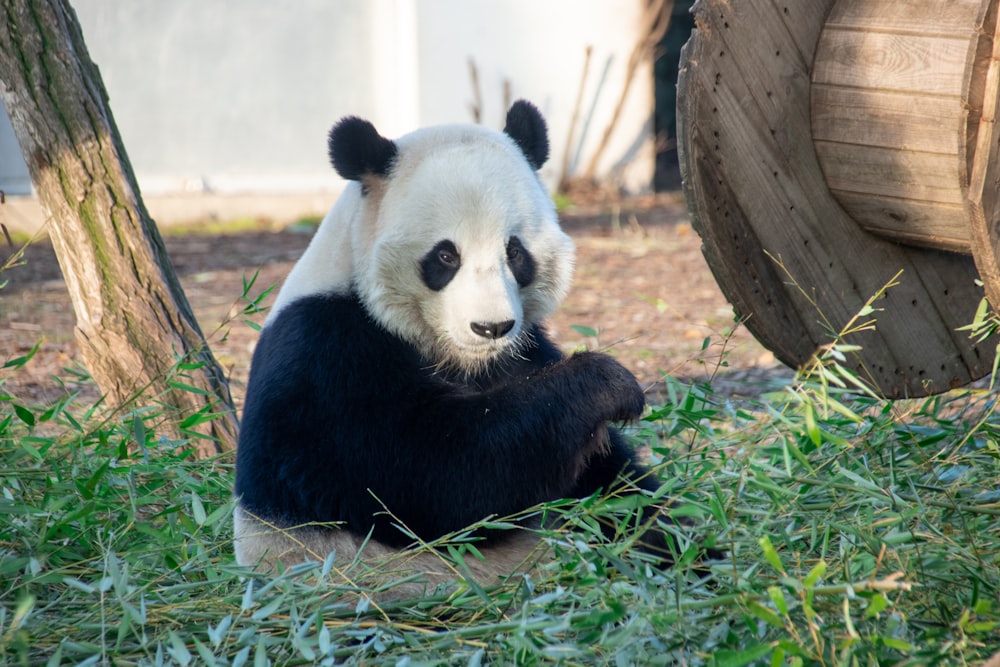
x=641, y=284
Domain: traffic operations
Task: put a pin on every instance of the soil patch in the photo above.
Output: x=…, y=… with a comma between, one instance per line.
x=641, y=286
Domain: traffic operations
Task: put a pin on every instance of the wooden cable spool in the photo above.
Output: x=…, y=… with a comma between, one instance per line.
x=827, y=145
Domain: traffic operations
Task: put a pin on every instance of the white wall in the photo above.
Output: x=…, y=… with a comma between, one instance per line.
x=14, y=178
x=218, y=98
x=539, y=47
x=230, y=96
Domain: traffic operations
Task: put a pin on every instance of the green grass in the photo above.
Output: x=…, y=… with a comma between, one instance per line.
x=858, y=531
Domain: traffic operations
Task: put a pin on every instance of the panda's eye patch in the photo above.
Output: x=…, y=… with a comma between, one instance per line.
x=440, y=265
x=520, y=261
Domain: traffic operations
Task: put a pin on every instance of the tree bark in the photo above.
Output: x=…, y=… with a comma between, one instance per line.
x=136, y=332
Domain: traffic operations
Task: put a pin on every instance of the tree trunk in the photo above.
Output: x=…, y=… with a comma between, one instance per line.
x=136, y=332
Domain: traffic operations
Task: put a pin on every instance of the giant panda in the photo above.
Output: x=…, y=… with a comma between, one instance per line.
x=403, y=387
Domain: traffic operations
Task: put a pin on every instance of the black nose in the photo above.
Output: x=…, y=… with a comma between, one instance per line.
x=492, y=329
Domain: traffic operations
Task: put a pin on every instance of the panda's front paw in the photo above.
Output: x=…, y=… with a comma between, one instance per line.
x=616, y=393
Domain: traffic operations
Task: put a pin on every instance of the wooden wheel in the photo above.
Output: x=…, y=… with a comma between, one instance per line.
x=788, y=256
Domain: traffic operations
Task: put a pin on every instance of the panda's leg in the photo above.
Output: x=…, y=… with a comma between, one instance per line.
x=612, y=465
x=615, y=470
x=261, y=545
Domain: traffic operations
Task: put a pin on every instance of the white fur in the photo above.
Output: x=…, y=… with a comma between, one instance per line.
x=371, y=565
x=463, y=183
x=326, y=266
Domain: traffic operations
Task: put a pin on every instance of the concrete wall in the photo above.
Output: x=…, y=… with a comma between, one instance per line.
x=224, y=107
x=539, y=48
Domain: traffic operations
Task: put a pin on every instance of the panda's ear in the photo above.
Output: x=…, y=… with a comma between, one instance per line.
x=526, y=127
x=358, y=150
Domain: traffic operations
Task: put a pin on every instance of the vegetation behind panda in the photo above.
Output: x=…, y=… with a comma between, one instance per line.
x=403, y=377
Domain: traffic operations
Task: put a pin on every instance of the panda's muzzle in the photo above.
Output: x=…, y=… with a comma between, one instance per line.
x=492, y=330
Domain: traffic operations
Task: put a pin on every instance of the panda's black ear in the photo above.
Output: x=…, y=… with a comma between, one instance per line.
x=358, y=150
x=526, y=127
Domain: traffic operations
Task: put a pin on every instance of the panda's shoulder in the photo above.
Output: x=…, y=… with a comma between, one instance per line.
x=318, y=315
x=321, y=327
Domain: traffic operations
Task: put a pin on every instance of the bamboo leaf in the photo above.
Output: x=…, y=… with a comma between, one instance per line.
x=770, y=554
x=741, y=657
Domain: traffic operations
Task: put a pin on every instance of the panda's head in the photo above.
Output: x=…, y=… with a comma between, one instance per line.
x=454, y=243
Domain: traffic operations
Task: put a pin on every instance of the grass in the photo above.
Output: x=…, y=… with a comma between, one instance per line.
x=858, y=531
x=239, y=225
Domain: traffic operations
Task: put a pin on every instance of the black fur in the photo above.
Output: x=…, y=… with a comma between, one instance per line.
x=526, y=127
x=440, y=265
x=520, y=261
x=357, y=149
x=342, y=417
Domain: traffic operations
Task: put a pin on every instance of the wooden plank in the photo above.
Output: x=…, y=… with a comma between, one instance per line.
x=943, y=17
x=984, y=194
x=888, y=119
x=753, y=183
x=718, y=174
x=760, y=148
x=932, y=177
x=802, y=22
x=984, y=91
x=908, y=63
x=909, y=221
x=897, y=125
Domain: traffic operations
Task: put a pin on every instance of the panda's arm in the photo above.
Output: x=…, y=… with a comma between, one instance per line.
x=475, y=454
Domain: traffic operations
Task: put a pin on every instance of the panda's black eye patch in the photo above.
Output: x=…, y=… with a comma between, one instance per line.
x=520, y=261
x=440, y=265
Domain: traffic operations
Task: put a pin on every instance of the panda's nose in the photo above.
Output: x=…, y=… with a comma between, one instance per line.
x=492, y=329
